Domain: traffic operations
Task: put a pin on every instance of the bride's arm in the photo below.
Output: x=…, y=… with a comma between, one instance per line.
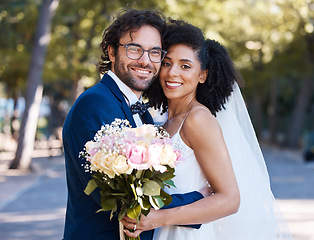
x=202, y=133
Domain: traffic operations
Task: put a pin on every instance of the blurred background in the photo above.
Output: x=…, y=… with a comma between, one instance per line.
x=50, y=51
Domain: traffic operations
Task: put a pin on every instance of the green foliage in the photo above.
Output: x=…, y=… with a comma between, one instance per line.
x=18, y=21
x=147, y=188
x=266, y=39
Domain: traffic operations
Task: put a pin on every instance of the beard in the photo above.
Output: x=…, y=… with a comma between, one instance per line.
x=126, y=75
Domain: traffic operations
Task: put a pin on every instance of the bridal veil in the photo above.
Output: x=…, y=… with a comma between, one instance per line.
x=259, y=217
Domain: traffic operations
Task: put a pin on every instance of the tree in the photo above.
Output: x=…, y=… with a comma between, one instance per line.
x=304, y=96
x=306, y=34
x=34, y=87
x=16, y=31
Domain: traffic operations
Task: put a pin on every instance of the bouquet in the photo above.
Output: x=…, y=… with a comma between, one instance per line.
x=131, y=167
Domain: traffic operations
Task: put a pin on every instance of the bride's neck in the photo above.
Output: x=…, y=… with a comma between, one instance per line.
x=176, y=108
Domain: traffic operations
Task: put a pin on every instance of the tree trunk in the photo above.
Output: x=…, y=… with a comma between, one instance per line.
x=34, y=89
x=272, y=111
x=258, y=114
x=77, y=89
x=15, y=125
x=299, y=112
x=294, y=132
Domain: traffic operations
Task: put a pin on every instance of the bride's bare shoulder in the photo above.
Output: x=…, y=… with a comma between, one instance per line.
x=199, y=121
x=200, y=115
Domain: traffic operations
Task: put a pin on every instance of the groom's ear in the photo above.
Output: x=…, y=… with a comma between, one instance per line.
x=203, y=76
x=111, y=54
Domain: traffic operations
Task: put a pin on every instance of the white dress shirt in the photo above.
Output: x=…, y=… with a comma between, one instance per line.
x=129, y=96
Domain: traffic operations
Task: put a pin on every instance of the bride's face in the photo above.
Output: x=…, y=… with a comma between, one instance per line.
x=181, y=72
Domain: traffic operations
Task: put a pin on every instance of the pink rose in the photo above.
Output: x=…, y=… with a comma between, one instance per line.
x=136, y=153
x=136, y=156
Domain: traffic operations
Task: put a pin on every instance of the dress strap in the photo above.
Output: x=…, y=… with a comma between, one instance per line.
x=182, y=122
x=188, y=114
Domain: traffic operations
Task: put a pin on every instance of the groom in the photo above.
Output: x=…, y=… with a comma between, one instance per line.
x=130, y=61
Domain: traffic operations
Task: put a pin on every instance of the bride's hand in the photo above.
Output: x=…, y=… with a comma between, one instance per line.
x=149, y=222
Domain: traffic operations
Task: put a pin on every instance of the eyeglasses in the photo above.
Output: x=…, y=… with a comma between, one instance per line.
x=136, y=52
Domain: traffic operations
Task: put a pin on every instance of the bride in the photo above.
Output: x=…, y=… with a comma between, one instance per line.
x=209, y=123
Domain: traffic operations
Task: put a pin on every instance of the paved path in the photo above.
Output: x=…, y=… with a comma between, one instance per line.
x=32, y=205
x=292, y=184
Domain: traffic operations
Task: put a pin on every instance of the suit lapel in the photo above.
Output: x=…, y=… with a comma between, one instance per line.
x=107, y=80
x=147, y=118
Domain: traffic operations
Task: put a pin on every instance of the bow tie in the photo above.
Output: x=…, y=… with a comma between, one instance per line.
x=139, y=108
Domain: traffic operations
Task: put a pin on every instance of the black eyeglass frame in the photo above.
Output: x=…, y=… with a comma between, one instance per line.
x=163, y=52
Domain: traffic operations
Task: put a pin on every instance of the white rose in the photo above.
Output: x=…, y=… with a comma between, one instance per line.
x=120, y=165
x=106, y=164
x=168, y=156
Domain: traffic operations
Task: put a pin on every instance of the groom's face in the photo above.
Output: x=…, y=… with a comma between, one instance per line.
x=136, y=74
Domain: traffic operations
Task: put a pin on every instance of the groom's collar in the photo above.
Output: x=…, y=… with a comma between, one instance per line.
x=129, y=95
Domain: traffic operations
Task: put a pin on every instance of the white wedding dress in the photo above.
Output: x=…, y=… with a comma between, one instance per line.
x=188, y=178
x=258, y=217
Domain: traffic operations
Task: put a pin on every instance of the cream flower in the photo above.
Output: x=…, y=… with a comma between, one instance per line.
x=168, y=156
x=92, y=148
x=120, y=166
x=106, y=164
x=96, y=161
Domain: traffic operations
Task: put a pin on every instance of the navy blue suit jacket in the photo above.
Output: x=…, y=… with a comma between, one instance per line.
x=97, y=106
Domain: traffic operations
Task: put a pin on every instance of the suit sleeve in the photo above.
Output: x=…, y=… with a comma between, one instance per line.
x=89, y=114
x=184, y=199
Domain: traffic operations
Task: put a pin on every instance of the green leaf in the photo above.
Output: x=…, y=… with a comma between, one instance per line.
x=165, y=175
x=170, y=182
x=167, y=199
x=91, y=186
x=139, y=174
x=129, y=178
x=106, y=193
x=99, y=177
x=108, y=204
x=148, y=174
x=145, y=202
x=122, y=212
x=134, y=212
x=159, y=202
x=151, y=188
x=153, y=203
x=121, y=181
x=145, y=212
x=160, y=182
